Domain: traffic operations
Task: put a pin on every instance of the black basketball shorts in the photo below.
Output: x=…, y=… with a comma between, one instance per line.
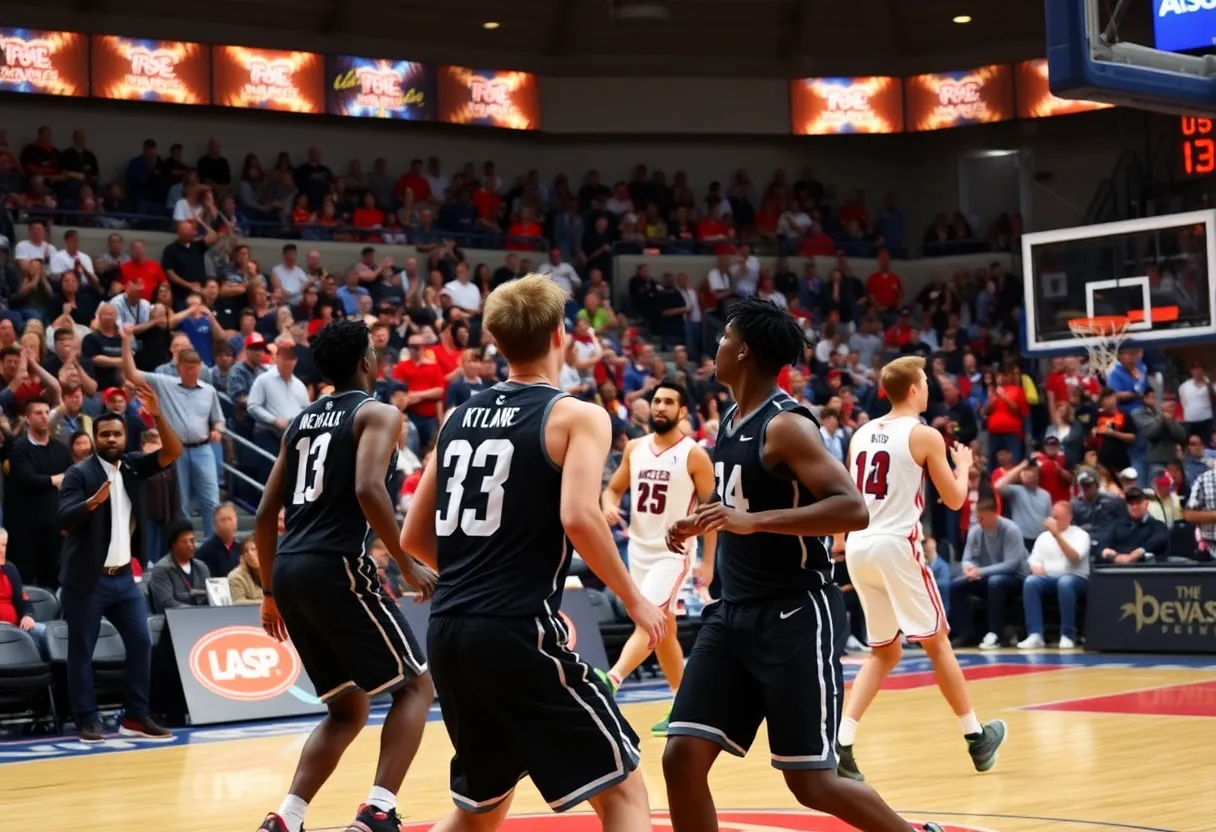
x=347, y=632
x=777, y=661
x=516, y=702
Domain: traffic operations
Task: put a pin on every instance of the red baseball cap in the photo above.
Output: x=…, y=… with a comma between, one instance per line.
x=255, y=341
x=111, y=392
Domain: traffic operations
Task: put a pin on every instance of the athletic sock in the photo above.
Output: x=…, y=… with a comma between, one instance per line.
x=847, y=732
x=615, y=679
x=970, y=725
x=382, y=799
x=292, y=810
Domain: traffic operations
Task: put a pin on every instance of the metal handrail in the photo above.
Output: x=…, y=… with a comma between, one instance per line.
x=246, y=443
x=232, y=469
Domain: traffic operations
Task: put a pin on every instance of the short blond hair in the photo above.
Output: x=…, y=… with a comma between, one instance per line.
x=523, y=315
x=899, y=375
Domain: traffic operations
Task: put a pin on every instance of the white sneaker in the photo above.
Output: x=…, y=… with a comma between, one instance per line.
x=853, y=645
x=991, y=642
x=1067, y=644
x=1034, y=641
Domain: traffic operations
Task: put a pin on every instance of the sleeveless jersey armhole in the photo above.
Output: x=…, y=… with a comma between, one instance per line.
x=544, y=429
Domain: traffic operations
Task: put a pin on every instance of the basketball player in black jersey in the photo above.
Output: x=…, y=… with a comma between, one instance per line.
x=514, y=481
x=770, y=649
x=320, y=583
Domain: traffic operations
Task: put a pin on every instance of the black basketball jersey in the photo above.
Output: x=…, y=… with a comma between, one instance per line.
x=322, y=513
x=758, y=567
x=502, y=548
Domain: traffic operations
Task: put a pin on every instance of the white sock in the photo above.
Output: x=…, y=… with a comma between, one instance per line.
x=292, y=810
x=847, y=732
x=614, y=678
x=970, y=724
x=382, y=799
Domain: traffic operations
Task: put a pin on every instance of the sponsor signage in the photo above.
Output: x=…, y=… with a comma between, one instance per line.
x=1181, y=25
x=232, y=671
x=268, y=79
x=489, y=98
x=379, y=88
x=953, y=99
x=825, y=106
x=1034, y=94
x=44, y=62
x=151, y=70
x=1152, y=610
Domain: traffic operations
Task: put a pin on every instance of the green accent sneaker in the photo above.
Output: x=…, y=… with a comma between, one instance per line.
x=931, y=827
x=846, y=764
x=983, y=749
x=603, y=677
x=659, y=729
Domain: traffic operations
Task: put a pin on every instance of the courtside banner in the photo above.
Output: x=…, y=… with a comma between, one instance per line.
x=576, y=616
x=827, y=106
x=136, y=69
x=232, y=671
x=44, y=63
x=1151, y=610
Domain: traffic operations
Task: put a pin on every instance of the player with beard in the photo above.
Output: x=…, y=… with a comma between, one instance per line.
x=667, y=474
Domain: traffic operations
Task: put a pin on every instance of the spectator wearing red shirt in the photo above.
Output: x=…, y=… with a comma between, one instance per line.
x=816, y=243
x=884, y=286
x=712, y=228
x=368, y=217
x=486, y=202
x=1054, y=476
x=415, y=182
x=15, y=606
x=139, y=267
x=1064, y=376
x=901, y=332
x=425, y=384
x=520, y=232
x=1007, y=410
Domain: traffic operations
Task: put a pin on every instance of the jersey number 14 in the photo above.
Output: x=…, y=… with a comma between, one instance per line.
x=730, y=488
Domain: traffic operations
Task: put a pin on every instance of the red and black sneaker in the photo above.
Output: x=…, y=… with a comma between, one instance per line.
x=372, y=819
x=273, y=823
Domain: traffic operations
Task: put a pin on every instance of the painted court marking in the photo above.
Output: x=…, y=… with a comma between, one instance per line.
x=1196, y=699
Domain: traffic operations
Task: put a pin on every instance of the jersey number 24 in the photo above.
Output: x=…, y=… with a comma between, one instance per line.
x=872, y=480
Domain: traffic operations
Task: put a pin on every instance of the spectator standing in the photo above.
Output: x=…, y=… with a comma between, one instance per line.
x=1201, y=510
x=138, y=267
x=275, y=399
x=1162, y=433
x=37, y=463
x=162, y=501
x=1197, y=395
x=1140, y=536
x=993, y=560
x=426, y=383
x=178, y=579
x=884, y=287
x=1059, y=564
x=185, y=260
x=221, y=551
x=1030, y=505
x=1116, y=433
x=1054, y=474
x=1007, y=411
x=99, y=511
x=1129, y=381
x=192, y=406
x=289, y=277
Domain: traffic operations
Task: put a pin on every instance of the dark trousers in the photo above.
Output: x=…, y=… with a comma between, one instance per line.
x=270, y=441
x=34, y=549
x=426, y=427
x=119, y=600
x=994, y=589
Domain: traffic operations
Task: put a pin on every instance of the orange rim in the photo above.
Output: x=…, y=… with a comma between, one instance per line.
x=1100, y=324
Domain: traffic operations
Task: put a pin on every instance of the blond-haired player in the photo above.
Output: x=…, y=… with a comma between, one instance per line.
x=889, y=459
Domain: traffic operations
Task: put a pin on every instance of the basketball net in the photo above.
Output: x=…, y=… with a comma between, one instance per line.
x=1102, y=337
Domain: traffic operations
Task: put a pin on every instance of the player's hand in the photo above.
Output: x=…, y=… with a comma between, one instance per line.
x=421, y=579
x=703, y=575
x=716, y=517
x=680, y=531
x=272, y=620
x=963, y=458
x=612, y=513
x=650, y=620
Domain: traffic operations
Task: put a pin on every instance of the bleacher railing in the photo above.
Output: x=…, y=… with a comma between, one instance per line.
x=784, y=247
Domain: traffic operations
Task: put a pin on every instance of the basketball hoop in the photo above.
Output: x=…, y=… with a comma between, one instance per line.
x=1102, y=337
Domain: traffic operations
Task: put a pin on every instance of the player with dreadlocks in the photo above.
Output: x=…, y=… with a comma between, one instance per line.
x=770, y=649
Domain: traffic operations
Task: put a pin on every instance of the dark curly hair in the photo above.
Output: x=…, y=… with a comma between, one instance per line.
x=338, y=348
x=772, y=335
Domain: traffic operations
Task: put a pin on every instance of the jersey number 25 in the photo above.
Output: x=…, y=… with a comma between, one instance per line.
x=873, y=480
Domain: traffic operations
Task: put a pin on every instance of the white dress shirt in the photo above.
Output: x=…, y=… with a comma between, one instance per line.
x=62, y=262
x=563, y=274
x=119, y=553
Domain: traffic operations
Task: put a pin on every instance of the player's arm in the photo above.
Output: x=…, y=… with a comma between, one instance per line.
x=266, y=536
x=838, y=550
x=701, y=468
x=929, y=450
x=793, y=441
x=588, y=433
x=418, y=535
x=610, y=501
x=377, y=428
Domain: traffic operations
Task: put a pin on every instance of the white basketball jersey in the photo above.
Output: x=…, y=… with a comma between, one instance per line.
x=661, y=489
x=889, y=478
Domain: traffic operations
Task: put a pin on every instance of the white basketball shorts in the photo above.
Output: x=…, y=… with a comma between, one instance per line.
x=659, y=575
x=897, y=591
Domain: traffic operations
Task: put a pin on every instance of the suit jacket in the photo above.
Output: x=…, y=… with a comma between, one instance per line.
x=88, y=532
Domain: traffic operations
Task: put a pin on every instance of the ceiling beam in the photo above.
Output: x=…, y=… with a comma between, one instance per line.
x=559, y=29
x=794, y=35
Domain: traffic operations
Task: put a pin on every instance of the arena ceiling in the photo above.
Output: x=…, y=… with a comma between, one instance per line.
x=597, y=37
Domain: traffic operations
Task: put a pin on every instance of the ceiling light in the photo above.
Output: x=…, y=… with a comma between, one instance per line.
x=494, y=24
x=962, y=18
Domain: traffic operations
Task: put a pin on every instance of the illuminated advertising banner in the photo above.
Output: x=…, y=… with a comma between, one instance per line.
x=268, y=79
x=825, y=106
x=379, y=88
x=1034, y=95
x=134, y=69
x=44, y=63
x=954, y=99
x=489, y=98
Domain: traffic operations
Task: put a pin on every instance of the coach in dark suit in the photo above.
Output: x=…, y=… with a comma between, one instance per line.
x=99, y=509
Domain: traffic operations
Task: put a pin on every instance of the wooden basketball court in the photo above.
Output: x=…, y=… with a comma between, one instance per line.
x=1095, y=743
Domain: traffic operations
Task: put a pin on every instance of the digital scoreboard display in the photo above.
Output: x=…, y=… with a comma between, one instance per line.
x=1197, y=145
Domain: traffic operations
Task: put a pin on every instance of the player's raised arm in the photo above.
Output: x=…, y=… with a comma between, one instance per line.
x=617, y=486
x=377, y=428
x=266, y=536
x=588, y=433
x=929, y=449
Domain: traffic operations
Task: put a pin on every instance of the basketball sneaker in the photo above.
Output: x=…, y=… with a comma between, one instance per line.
x=659, y=729
x=274, y=823
x=372, y=819
x=983, y=748
x=607, y=680
x=932, y=827
x=846, y=764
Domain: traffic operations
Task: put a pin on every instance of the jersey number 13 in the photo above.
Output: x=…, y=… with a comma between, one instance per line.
x=459, y=456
